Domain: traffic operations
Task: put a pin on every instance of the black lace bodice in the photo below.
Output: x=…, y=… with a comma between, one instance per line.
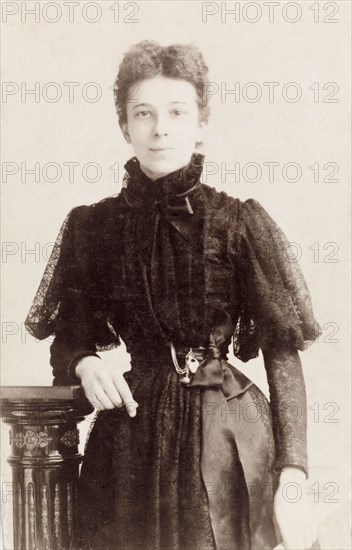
x=156, y=262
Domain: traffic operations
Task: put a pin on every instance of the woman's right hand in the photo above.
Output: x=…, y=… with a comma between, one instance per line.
x=104, y=385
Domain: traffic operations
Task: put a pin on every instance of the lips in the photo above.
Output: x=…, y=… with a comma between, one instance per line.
x=157, y=149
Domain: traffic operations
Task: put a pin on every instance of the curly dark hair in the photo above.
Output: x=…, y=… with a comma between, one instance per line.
x=148, y=59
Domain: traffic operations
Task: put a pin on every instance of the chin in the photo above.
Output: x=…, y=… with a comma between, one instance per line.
x=162, y=167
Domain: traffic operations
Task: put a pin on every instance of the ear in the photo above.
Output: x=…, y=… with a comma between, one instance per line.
x=200, y=135
x=124, y=129
x=201, y=128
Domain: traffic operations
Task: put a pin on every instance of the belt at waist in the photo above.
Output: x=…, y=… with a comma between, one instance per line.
x=155, y=355
x=212, y=370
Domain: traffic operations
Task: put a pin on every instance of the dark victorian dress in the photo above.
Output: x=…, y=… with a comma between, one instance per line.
x=175, y=261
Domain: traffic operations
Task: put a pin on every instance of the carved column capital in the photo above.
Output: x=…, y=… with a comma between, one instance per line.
x=45, y=462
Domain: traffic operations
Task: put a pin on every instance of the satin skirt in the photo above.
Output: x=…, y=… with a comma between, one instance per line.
x=185, y=474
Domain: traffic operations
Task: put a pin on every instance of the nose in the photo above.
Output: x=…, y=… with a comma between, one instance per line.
x=160, y=128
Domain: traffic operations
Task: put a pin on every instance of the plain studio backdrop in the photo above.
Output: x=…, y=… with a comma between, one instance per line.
x=278, y=132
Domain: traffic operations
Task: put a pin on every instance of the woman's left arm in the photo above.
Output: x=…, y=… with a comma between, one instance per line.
x=289, y=407
x=289, y=411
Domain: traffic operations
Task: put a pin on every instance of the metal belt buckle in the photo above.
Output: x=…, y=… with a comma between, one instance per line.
x=191, y=362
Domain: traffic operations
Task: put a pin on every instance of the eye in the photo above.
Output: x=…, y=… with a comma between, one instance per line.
x=177, y=113
x=143, y=114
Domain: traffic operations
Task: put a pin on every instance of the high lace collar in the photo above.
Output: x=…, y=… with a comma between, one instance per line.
x=166, y=187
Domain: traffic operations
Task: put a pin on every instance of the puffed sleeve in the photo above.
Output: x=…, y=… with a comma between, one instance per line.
x=275, y=315
x=275, y=304
x=70, y=302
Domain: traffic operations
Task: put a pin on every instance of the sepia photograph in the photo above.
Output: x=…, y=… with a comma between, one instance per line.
x=176, y=267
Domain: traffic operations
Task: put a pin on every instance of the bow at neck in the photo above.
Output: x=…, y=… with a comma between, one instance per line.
x=171, y=192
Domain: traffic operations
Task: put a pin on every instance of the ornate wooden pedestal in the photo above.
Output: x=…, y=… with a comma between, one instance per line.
x=45, y=463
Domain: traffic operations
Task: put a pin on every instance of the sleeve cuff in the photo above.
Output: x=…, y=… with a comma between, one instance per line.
x=303, y=467
x=73, y=363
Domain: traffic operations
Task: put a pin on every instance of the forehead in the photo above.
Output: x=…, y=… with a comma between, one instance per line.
x=160, y=90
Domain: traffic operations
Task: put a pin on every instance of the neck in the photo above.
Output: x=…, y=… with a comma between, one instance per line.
x=141, y=182
x=152, y=175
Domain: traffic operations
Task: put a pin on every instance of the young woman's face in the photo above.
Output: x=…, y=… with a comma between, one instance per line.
x=163, y=124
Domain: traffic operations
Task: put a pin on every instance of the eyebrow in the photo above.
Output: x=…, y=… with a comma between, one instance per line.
x=149, y=104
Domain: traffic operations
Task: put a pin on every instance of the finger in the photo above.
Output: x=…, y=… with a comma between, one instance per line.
x=103, y=399
x=126, y=394
x=91, y=398
x=114, y=395
x=131, y=408
x=112, y=392
x=95, y=403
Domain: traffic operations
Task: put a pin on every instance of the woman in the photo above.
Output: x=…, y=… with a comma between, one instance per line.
x=182, y=454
